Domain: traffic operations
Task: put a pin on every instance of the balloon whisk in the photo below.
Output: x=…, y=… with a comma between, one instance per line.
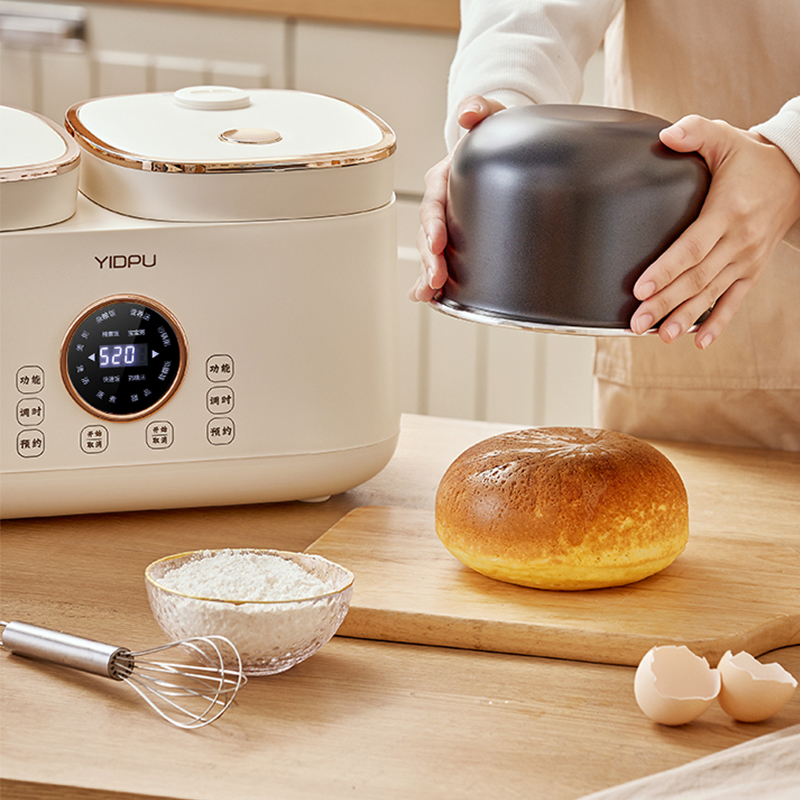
x=191, y=688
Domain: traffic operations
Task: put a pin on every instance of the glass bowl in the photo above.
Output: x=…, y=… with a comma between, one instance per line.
x=272, y=635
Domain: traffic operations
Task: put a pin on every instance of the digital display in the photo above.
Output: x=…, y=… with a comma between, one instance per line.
x=122, y=355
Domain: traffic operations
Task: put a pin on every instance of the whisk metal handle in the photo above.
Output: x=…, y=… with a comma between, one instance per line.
x=67, y=650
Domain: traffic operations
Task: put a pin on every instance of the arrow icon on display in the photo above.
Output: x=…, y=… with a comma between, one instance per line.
x=154, y=353
x=93, y=357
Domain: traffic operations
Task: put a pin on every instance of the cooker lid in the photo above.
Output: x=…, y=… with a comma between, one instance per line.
x=38, y=170
x=220, y=129
x=33, y=147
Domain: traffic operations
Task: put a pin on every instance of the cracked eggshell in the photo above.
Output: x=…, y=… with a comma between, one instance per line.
x=673, y=686
x=752, y=691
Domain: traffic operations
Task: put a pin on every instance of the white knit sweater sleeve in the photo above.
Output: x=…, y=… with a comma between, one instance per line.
x=524, y=51
x=783, y=130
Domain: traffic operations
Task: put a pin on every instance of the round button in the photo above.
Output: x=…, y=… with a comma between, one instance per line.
x=123, y=358
x=211, y=98
x=250, y=136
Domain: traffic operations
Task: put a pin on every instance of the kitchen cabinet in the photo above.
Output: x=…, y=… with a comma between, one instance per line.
x=127, y=48
x=448, y=367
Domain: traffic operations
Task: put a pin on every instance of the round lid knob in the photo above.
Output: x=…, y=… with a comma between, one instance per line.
x=211, y=98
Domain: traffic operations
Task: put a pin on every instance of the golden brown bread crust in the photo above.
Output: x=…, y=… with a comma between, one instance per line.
x=563, y=508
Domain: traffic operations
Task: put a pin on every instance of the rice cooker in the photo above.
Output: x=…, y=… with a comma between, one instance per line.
x=210, y=320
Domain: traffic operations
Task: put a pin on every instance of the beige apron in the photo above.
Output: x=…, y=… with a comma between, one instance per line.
x=737, y=60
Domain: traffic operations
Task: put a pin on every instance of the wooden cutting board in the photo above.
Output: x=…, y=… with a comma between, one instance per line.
x=723, y=593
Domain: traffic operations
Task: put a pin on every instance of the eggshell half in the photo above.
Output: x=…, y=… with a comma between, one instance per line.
x=673, y=686
x=752, y=691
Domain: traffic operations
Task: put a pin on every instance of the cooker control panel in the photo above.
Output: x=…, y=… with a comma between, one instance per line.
x=123, y=357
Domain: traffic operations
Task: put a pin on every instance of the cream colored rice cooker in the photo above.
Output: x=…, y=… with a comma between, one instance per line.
x=210, y=321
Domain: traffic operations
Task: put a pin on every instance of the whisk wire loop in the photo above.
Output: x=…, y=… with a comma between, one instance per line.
x=161, y=684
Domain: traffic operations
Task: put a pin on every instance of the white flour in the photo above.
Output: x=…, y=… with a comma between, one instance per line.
x=260, y=605
x=244, y=576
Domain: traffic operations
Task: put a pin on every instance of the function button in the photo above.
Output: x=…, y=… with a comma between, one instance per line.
x=220, y=430
x=160, y=435
x=30, y=411
x=30, y=380
x=30, y=443
x=94, y=439
x=219, y=368
x=220, y=400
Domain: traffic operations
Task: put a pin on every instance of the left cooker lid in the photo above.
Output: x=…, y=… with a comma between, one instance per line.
x=38, y=171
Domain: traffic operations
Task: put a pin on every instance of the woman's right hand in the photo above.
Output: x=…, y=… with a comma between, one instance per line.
x=432, y=236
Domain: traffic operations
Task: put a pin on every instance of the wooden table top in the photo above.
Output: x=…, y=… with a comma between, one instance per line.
x=361, y=718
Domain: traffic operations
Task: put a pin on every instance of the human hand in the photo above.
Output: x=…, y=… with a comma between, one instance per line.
x=432, y=236
x=753, y=200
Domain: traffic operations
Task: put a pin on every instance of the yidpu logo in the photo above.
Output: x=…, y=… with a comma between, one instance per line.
x=120, y=261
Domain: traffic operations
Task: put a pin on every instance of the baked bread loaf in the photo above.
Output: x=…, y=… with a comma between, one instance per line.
x=563, y=508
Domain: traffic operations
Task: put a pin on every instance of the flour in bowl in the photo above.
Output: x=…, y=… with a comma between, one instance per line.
x=244, y=576
x=277, y=608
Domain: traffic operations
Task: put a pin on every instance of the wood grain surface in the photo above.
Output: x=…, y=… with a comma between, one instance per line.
x=723, y=593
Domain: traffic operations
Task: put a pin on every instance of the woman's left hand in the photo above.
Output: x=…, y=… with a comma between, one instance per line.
x=753, y=200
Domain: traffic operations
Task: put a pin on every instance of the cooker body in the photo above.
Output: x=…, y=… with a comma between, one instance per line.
x=288, y=386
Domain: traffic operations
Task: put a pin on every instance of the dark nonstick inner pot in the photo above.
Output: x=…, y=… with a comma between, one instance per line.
x=554, y=211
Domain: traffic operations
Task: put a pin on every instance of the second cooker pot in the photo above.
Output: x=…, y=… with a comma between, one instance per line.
x=554, y=211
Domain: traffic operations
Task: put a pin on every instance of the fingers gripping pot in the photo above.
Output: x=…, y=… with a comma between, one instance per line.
x=554, y=211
